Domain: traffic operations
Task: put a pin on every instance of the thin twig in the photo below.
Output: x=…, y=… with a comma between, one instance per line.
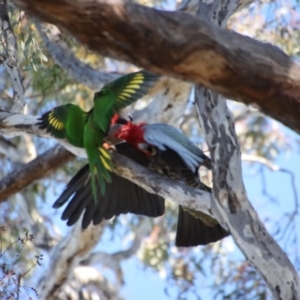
x=10, y=58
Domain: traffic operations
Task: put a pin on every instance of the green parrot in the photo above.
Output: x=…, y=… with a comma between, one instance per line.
x=65, y=122
x=88, y=129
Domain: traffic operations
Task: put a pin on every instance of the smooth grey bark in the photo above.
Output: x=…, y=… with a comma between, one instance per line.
x=230, y=199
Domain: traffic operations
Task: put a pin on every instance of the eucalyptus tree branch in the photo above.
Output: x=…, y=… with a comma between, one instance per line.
x=229, y=195
x=9, y=58
x=15, y=124
x=233, y=205
x=29, y=149
x=113, y=260
x=90, y=277
x=192, y=6
x=150, y=181
x=65, y=256
x=154, y=183
x=40, y=167
x=184, y=46
x=64, y=57
x=263, y=161
x=169, y=97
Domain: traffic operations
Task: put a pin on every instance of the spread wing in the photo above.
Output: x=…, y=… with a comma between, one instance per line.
x=54, y=121
x=118, y=94
x=192, y=231
x=65, y=122
x=131, y=87
x=122, y=196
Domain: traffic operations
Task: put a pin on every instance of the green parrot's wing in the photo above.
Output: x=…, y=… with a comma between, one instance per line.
x=99, y=158
x=128, y=88
x=133, y=87
x=101, y=171
x=65, y=122
x=54, y=121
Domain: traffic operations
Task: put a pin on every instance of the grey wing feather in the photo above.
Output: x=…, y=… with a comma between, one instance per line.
x=163, y=135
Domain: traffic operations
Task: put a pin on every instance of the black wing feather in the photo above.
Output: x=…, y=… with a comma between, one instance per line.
x=53, y=122
x=193, y=232
x=122, y=196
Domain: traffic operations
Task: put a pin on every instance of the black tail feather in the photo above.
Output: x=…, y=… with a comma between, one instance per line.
x=77, y=182
x=122, y=196
x=192, y=231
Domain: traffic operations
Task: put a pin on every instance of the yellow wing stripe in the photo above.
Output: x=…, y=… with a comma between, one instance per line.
x=104, y=153
x=52, y=121
x=132, y=86
x=138, y=76
x=136, y=82
x=124, y=94
x=122, y=97
x=130, y=91
x=105, y=164
x=55, y=123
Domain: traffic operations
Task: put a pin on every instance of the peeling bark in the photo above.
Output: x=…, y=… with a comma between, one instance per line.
x=232, y=204
x=230, y=199
x=183, y=46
